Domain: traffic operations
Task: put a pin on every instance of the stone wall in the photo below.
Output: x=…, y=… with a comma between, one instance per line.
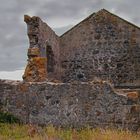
x=77, y=104
x=102, y=46
x=42, y=40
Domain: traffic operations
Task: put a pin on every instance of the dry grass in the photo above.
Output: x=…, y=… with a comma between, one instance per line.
x=30, y=132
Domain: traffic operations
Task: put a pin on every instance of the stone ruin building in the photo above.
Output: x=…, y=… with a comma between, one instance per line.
x=102, y=46
x=90, y=75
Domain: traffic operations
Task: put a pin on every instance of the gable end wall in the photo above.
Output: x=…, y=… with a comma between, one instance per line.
x=104, y=46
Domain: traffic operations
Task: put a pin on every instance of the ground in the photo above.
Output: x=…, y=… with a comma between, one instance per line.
x=30, y=132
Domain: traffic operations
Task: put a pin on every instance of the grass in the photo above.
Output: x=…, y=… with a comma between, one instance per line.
x=30, y=132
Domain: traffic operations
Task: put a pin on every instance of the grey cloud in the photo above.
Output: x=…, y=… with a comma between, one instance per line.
x=68, y=8
x=60, y=31
x=130, y=8
x=13, y=38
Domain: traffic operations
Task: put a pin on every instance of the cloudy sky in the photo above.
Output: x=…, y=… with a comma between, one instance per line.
x=59, y=14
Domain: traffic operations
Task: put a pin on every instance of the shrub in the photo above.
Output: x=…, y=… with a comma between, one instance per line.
x=6, y=117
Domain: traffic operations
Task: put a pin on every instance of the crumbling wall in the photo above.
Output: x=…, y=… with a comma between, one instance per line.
x=102, y=46
x=80, y=104
x=40, y=37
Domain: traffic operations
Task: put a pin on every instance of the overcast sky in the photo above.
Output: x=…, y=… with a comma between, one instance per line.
x=59, y=14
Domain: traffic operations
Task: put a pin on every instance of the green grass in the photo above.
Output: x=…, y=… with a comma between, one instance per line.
x=29, y=132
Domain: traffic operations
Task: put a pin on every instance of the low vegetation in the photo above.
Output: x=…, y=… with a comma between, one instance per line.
x=6, y=117
x=30, y=132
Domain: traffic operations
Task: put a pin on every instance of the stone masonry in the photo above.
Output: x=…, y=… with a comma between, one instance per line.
x=79, y=104
x=89, y=76
x=103, y=46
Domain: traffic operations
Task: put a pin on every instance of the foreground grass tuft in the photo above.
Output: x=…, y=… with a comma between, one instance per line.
x=30, y=132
